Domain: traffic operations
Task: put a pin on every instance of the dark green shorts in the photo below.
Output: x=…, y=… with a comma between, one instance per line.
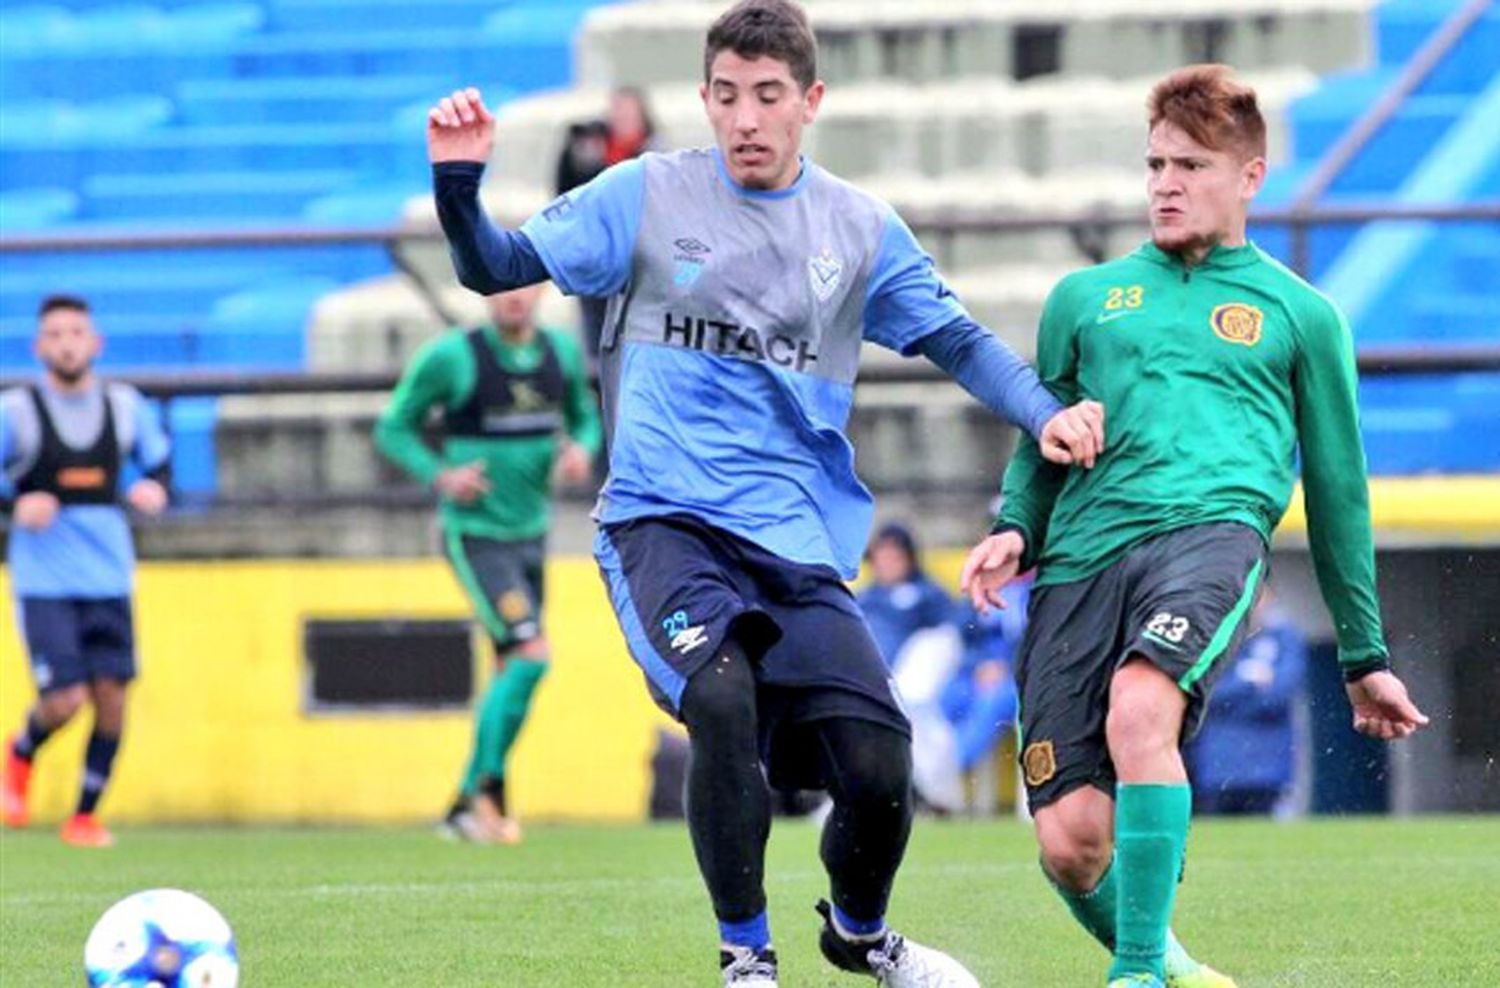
x=1181, y=600
x=503, y=581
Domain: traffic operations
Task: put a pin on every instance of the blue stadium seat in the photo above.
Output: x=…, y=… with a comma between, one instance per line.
x=293, y=99
x=1405, y=25
x=230, y=196
x=1438, y=424
x=270, y=147
x=367, y=205
x=1411, y=283
x=54, y=270
x=191, y=114
x=185, y=284
x=197, y=23
x=1320, y=119
x=194, y=460
x=264, y=327
x=113, y=28
x=34, y=28
x=33, y=123
x=556, y=21
x=132, y=342
x=33, y=209
x=333, y=15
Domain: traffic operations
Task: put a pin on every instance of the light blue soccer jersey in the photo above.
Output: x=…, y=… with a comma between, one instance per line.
x=87, y=551
x=732, y=341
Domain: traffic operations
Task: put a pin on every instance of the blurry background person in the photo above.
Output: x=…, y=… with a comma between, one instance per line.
x=1244, y=760
x=516, y=406
x=980, y=699
x=65, y=443
x=910, y=616
x=626, y=132
x=900, y=599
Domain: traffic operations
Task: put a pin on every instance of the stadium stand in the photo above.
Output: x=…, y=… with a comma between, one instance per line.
x=130, y=117
x=958, y=106
x=1412, y=283
x=230, y=115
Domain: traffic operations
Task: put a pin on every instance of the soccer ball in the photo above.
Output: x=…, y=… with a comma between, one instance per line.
x=161, y=939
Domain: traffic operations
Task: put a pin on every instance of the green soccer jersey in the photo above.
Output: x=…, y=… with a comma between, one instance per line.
x=1212, y=377
x=444, y=374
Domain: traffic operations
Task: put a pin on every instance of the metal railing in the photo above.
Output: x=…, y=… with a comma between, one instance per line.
x=1089, y=230
x=1338, y=157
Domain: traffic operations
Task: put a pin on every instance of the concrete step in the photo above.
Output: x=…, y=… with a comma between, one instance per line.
x=645, y=43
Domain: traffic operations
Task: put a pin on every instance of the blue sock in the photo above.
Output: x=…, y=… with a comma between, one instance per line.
x=98, y=761
x=853, y=929
x=754, y=933
x=30, y=738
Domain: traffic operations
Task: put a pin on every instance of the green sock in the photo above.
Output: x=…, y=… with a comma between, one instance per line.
x=486, y=723
x=1095, y=911
x=517, y=683
x=1151, y=824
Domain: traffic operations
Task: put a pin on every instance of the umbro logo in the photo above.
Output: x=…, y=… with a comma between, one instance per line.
x=689, y=638
x=690, y=258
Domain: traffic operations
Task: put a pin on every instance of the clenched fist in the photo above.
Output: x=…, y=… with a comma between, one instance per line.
x=460, y=128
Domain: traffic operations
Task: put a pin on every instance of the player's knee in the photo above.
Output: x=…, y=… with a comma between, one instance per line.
x=109, y=705
x=721, y=694
x=1145, y=713
x=57, y=707
x=1075, y=845
x=1140, y=734
x=879, y=789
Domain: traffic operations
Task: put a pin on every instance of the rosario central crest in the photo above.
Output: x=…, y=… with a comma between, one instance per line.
x=1237, y=323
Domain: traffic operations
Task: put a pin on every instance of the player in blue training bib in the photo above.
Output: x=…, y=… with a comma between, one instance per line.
x=64, y=444
x=742, y=281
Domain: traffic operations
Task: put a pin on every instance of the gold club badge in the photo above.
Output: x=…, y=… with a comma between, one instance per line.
x=1237, y=322
x=513, y=605
x=1040, y=762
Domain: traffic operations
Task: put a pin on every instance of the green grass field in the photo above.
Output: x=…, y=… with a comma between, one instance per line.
x=1351, y=904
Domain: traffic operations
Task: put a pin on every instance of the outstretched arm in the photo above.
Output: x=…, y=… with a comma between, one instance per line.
x=1008, y=386
x=909, y=309
x=1337, y=493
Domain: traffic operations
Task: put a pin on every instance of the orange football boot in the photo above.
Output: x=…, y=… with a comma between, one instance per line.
x=13, y=791
x=85, y=830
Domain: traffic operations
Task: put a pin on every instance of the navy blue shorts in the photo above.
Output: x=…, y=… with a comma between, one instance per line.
x=75, y=640
x=680, y=587
x=504, y=584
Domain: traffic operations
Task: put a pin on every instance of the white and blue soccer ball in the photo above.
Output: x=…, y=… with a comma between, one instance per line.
x=161, y=939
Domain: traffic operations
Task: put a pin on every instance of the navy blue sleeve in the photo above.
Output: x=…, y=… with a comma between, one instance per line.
x=904, y=298
x=487, y=258
x=992, y=372
x=586, y=237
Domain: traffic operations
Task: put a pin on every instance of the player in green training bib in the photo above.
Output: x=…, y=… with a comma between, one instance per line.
x=516, y=407
x=1216, y=366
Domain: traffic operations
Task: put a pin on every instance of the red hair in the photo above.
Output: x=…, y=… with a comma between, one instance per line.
x=1214, y=110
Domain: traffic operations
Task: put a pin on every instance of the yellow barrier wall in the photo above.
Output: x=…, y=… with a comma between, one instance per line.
x=216, y=730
